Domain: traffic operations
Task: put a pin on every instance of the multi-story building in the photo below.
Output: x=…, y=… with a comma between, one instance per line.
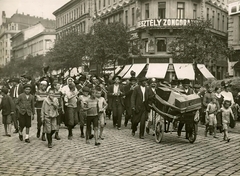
x=152, y=23
x=35, y=40
x=234, y=36
x=11, y=26
x=73, y=16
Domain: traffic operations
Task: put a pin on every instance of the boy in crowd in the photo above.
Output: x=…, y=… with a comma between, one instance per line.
x=102, y=104
x=7, y=106
x=25, y=106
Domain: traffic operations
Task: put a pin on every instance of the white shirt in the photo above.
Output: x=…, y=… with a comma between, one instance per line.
x=143, y=89
x=15, y=91
x=115, y=88
x=227, y=96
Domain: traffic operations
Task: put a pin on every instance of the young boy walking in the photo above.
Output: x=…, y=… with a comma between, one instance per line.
x=49, y=116
x=102, y=104
x=25, y=106
x=8, y=108
x=92, y=109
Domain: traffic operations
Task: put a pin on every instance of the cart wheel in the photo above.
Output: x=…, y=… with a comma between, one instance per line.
x=193, y=133
x=159, y=132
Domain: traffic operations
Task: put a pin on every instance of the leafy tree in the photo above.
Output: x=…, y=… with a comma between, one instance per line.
x=197, y=43
x=67, y=51
x=108, y=43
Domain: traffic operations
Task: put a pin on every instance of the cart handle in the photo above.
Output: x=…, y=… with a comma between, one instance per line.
x=163, y=113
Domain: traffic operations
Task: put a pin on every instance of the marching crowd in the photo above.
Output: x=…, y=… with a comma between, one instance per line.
x=88, y=101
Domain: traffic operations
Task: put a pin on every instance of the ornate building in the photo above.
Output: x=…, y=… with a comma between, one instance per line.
x=153, y=24
x=234, y=36
x=10, y=27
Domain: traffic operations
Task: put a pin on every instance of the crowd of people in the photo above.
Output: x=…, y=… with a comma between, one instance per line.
x=88, y=101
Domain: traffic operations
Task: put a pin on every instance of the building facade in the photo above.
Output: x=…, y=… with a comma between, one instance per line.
x=35, y=40
x=234, y=36
x=74, y=16
x=10, y=27
x=153, y=24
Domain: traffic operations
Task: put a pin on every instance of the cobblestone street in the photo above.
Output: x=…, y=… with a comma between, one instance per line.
x=119, y=154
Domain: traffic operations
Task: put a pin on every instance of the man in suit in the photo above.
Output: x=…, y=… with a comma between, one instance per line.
x=14, y=93
x=188, y=91
x=140, y=100
x=25, y=106
x=116, y=103
x=127, y=100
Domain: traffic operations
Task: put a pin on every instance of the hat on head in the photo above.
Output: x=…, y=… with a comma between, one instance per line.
x=119, y=77
x=197, y=86
x=143, y=79
x=28, y=77
x=85, y=89
x=82, y=78
x=27, y=86
x=186, y=81
x=153, y=80
x=174, y=82
x=44, y=83
x=133, y=73
x=5, y=90
x=14, y=80
x=133, y=79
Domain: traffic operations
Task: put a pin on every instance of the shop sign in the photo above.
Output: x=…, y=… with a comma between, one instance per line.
x=163, y=22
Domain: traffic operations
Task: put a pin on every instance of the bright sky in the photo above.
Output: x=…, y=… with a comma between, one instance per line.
x=40, y=8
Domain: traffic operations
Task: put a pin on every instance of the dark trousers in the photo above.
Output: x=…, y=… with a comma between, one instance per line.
x=180, y=127
x=117, y=110
x=128, y=115
x=141, y=117
x=39, y=121
x=15, y=120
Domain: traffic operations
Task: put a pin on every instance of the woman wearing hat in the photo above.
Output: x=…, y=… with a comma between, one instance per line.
x=116, y=103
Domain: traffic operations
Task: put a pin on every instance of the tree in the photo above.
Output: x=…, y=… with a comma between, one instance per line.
x=67, y=51
x=108, y=43
x=196, y=43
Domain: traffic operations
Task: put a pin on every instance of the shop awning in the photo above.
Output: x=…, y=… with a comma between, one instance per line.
x=137, y=68
x=157, y=71
x=206, y=73
x=117, y=69
x=184, y=71
x=124, y=70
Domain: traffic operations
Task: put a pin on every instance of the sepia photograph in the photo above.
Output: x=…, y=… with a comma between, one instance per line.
x=120, y=87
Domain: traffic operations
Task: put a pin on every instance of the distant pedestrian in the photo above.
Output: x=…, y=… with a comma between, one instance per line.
x=25, y=106
x=92, y=116
x=49, y=116
x=8, y=108
x=102, y=104
x=226, y=113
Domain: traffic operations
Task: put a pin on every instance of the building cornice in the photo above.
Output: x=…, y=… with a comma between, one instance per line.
x=86, y=15
x=34, y=37
x=215, y=4
x=65, y=6
x=8, y=32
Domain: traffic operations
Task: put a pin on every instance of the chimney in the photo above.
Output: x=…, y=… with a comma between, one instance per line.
x=3, y=17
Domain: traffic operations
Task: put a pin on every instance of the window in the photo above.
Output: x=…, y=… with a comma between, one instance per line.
x=133, y=16
x=213, y=18
x=161, y=10
x=161, y=45
x=223, y=22
x=194, y=11
x=180, y=10
x=104, y=3
x=146, y=45
x=120, y=17
x=99, y=4
x=146, y=11
x=126, y=17
x=207, y=13
x=81, y=9
x=218, y=21
x=84, y=10
x=108, y=2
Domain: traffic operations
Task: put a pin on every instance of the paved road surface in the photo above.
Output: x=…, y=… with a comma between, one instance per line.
x=119, y=154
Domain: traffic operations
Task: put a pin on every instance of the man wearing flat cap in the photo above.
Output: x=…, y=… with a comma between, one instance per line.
x=140, y=100
x=116, y=101
x=127, y=100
